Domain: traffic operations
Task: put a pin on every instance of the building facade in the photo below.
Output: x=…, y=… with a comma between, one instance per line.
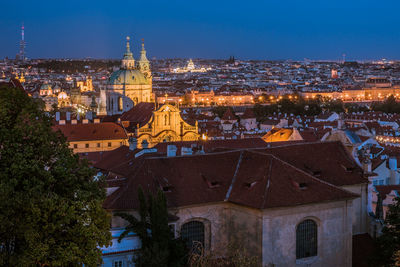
x=128, y=86
x=284, y=214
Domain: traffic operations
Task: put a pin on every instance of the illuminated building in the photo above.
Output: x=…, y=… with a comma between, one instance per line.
x=85, y=85
x=128, y=86
x=92, y=137
x=63, y=100
x=151, y=127
x=374, y=89
x=21, y=78
x=210, y=98
x=45, y=89
x=190, y=68
x=334, y=74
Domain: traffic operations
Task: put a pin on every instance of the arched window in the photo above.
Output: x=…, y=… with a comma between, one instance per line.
x=193, y=232
x=306, y=239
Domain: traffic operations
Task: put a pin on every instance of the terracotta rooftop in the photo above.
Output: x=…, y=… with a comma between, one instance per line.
x=386, y=189
x=15, y=83
x=255, y=179
x=248, y=114
x=213, y=145
x=92, y=131
x=228, y=115
x=328, y=161
x=139, y=114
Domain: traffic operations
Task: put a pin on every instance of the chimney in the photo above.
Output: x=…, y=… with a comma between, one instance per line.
x=171, y=151
x=57, y=115
x=68, y=115
x=145, y=144
x=132, y=143
x=186, y=151
x=89, y=115
x=367, y=165
x=341, y=125
x=74, y=121
x=125, y=124
x=393, y=170
x=85, y=121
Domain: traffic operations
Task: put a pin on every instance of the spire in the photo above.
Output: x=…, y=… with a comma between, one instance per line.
x=128, y=62
x=143, y=64
x=128, y=53
x=143, y=57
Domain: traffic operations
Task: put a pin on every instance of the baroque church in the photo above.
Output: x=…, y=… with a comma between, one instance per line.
x=128, y=93
x=128, y=86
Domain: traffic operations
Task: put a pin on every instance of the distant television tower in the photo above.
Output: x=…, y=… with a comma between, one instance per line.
x=22, y=44
x=344, y=58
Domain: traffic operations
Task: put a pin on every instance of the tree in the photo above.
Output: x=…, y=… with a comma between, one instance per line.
x=388, y=106
x=237, y=255
x=388, y=244
x=159, y=246
x=334, y=105
x=51, y=205
x=219, y=110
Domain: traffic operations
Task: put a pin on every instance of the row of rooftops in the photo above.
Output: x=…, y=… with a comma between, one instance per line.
x=255, y=176
x=245, y=76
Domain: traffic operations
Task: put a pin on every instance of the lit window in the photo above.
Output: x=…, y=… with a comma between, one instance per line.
x=120, y=103
x=306, y=239
x=193, y=233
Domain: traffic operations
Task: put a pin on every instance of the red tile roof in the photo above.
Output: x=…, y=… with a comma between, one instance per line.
x=384, y=190
x=212, y=145
x=228, y=115
x=92, y=131
x=248, y=114
x=329, y=161
x=257, y=179
x=15, y=83
x=139, y=114
x=119, y=161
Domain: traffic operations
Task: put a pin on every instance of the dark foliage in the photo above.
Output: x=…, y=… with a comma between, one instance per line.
x=50, y=203
x=159, y=246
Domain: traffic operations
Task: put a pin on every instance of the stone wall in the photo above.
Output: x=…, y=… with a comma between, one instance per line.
x=334, y=235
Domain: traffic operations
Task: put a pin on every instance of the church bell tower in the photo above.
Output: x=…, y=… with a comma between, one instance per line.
x=143, y=64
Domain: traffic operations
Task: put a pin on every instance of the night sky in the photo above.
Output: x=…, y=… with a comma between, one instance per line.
x=270, y=29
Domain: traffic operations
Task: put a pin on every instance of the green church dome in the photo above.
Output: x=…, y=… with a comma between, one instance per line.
x=127, y=77
x=45, y=86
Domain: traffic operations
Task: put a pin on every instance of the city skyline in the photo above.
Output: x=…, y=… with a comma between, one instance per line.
x=257, y=30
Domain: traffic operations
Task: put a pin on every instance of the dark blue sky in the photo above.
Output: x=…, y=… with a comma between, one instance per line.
x=269, y=29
